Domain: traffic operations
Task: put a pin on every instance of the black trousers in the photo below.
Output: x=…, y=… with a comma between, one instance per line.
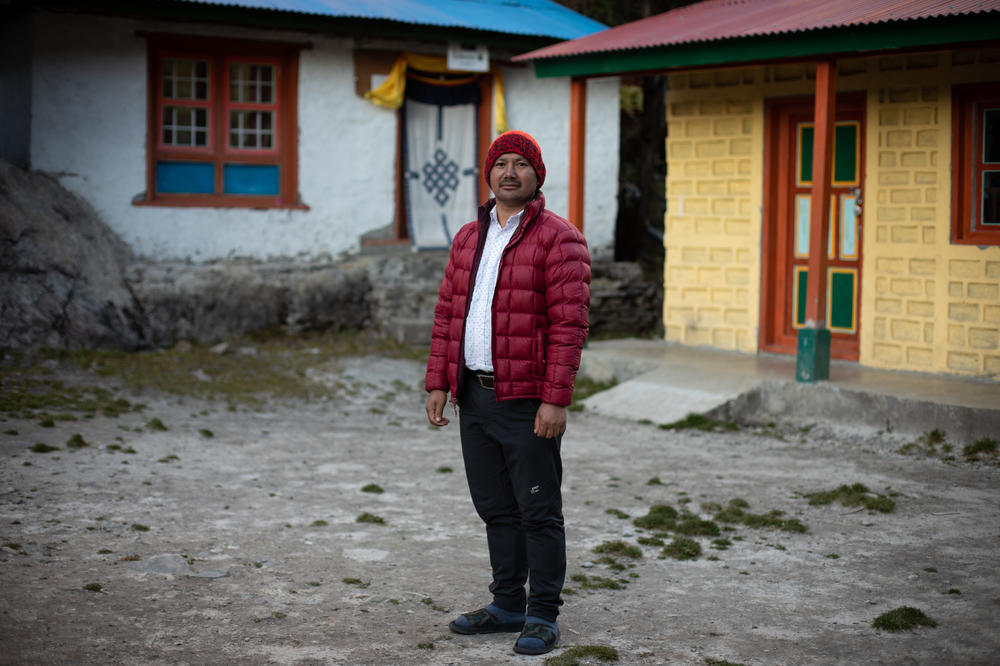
x=515, y=478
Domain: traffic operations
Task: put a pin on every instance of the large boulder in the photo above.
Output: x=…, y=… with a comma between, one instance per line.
x=61, y=271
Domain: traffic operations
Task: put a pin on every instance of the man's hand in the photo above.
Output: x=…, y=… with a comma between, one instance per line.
x=550, y=421
x=436, y=401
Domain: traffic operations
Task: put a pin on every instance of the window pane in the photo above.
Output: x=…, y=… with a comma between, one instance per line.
x=251, y=179
x=185, y=78
x=991, y=198
x=251, y=83
x=185, y=177
x=991, y=136
x=185, y=126
x=251, y=129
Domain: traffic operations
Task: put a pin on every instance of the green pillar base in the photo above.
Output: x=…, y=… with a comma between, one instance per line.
x=812, y=362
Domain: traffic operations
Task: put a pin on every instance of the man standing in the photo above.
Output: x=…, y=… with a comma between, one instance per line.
x=509, y=327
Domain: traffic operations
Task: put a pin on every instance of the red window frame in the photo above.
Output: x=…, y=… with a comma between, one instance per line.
x=220, y=54
x=968, y=103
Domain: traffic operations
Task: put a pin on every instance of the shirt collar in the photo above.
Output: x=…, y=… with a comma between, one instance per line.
x=512, y=221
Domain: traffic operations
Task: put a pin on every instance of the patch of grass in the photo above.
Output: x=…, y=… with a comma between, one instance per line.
x=41, y=447
x=318, y=523
x=619, y=548
x=694, y=526
x=981, y=449
x=584, y=387
x=574, y=655
x=660, y=517
x=426, y=645
x=105, y=551
x=617, y=513
x=370, y=518
x=47, y=423
x=654, y=481
x=651, y=541
x=853, y=495
x=93, y=587
x=832, y=556
x=612, y=563
x=156, y=424
x=277, y=370
x=168, y=459
x=903, y=619
x=682, y=548
x=77, y=441
x=11, y=432
x=139, y=527
x=953, y=590
x=206, y=433
x=694, y=421
x=735, y=512
x=598, y=582
x=933, y=444
x=444, y=469
x=721, y=662
x=372, y=488
x=353, y=581
x=29, y=393
x=721, y=544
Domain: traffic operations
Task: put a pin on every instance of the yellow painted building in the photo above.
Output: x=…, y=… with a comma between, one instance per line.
x=912, y=265
x=925, y=303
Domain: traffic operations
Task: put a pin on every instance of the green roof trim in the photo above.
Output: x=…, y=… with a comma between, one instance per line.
x=835, y=41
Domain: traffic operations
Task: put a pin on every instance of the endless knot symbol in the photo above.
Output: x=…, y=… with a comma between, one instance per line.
x=440, y=176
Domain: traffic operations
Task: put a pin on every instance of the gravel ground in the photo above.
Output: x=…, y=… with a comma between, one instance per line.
x=233, y=536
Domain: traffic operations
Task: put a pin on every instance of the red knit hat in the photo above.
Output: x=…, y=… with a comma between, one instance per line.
x=515, y=141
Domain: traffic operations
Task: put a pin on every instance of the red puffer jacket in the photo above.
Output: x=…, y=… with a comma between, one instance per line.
x=540, y=308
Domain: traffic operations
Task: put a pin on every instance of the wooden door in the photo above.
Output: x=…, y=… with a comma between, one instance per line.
x=787, y=202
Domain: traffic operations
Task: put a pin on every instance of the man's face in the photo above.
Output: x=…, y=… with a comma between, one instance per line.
x=513, y=180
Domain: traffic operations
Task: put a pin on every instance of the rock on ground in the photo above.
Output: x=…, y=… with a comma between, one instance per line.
x=61, y=271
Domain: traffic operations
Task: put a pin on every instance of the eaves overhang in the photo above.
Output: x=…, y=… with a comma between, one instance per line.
x=914, y=34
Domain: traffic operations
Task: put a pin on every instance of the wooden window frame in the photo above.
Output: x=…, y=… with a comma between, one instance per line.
x=967, y=164
x=220, y=53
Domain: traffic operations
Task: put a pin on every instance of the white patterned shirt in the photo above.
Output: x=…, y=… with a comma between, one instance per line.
x=479, y=322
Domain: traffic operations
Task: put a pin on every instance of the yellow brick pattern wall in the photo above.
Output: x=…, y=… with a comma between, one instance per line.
x=712, y=226
x=927, y=304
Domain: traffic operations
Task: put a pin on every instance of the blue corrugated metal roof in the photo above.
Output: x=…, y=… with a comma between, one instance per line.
x=543, y=18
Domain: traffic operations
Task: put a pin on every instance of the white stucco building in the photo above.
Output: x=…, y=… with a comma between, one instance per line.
x=210, y=131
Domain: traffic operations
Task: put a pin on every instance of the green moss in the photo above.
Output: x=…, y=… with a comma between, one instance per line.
x=694, y=526
x=903, y=619
x=617, y=513
x=77, y=441
x=352, y=581
x=139, y=527
x=370, y=518
x=853, y=495
x=318, y=523
x=651, y=541
x=575, y=655
x=93, y=587
x=426, y=645
x=682, y=548
x=598, y=582
x=619, y=548
x=660, y=517
x=372, y=488
x=41, y=447
x=981, y=449
x=695, y=421
x=206, y=433
x=444, y=469
x=156, y=424
x=47, y=423
x=654, y=481
x=168, y=459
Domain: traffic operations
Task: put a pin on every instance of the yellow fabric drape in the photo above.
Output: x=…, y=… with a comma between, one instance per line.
x=390, y=93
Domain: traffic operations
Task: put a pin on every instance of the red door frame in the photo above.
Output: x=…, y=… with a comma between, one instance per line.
x=779, y=165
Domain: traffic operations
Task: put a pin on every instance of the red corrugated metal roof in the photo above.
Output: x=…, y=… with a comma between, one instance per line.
x=732, y=19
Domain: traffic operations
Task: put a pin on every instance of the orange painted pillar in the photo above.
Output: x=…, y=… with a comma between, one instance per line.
x=813, y=356
x=577, y=148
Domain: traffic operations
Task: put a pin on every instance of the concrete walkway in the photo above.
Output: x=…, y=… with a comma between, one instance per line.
x=663, y=382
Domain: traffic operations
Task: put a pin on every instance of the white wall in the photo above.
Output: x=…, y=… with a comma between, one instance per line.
x=89, y=129
x=540, y=107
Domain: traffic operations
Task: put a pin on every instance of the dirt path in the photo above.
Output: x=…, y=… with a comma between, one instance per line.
x=254, y=553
